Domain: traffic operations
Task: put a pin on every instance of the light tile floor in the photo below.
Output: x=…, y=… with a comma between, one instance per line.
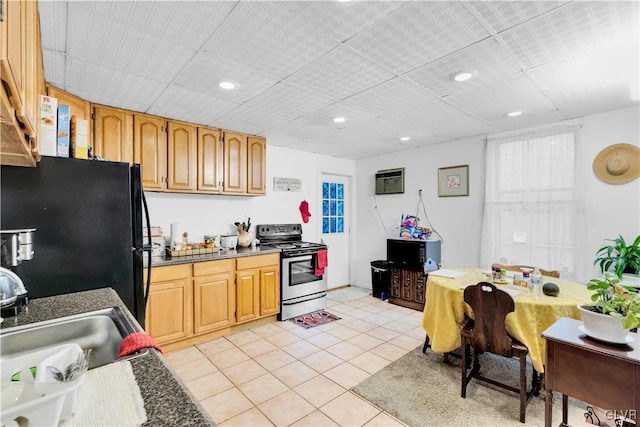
x=281, y=374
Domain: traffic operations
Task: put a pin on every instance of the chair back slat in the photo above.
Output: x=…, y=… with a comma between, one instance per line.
x=490, y=307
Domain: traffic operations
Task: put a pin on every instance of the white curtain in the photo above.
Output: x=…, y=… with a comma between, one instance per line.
x=534, y=204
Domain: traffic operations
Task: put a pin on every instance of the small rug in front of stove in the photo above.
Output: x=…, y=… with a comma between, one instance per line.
x=316, y=318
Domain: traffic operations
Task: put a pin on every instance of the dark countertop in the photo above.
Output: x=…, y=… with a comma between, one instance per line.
x=222, y=254
x=167, y=401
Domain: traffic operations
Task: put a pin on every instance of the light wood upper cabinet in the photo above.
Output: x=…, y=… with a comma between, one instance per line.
x=14, y=51
x=234, y=163
x=150, y=150
x=77, y=107
x=209, y=159
x=182, y=153
x=113, y=134
x=22, y=74
x=256, y=165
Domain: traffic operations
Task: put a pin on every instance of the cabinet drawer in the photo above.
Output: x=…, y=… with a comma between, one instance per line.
x=172, y=272
x=256, y=261
x=213, y=267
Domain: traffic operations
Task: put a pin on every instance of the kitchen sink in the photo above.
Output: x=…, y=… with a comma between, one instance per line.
x=102, y=331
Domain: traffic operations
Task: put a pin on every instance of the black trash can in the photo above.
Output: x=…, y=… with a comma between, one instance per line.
x=381, y=277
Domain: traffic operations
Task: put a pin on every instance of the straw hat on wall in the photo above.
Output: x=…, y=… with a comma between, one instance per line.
x=618, y=163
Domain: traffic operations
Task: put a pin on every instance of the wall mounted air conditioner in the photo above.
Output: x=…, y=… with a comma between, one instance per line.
x=390, y=181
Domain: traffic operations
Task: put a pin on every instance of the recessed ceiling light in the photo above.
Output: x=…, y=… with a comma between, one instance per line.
x=463, y=76
x=514, y=114
x=339, y=119
x=227, y=85
x=405, y=138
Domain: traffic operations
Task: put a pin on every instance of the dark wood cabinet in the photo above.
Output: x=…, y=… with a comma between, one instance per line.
x=408, y=288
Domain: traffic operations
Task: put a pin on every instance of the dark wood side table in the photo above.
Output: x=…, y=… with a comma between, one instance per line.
x=408, y=288
x=604, y=375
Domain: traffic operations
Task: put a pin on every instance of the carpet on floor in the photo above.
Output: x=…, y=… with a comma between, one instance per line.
x=316, y=318
x=420, y=390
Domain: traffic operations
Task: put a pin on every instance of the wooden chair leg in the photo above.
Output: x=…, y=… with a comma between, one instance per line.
x=426, y=344
x=465, y=355
x=523, y=386
x=535, y=383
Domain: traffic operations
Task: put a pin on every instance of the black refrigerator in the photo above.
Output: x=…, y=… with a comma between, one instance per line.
x=88, y=221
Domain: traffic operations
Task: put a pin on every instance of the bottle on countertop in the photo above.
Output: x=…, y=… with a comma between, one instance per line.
x=536, y=283
x=526, y=278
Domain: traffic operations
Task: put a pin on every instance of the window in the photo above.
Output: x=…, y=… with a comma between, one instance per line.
x=533, y=209
x=332, y=207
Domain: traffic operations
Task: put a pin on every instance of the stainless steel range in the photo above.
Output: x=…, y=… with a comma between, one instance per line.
x=301, y=289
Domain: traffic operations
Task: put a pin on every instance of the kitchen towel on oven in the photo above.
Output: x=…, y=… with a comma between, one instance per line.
x=321, y=261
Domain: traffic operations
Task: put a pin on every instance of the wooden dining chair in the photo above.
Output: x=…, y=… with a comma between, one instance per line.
x=487, y=333
x=549, y=273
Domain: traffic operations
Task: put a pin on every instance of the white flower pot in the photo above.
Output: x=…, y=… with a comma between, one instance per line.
x=602, y=326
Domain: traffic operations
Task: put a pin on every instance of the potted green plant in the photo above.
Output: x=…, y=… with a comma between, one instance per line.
x=616, y=310
x=624, y=258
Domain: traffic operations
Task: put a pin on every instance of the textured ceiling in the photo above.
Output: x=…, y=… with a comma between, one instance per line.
x=386, y=66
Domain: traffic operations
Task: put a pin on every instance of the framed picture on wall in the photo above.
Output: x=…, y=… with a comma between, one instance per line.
x=453, y=181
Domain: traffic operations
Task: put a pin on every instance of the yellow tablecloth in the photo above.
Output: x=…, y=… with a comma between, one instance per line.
x=445, y=312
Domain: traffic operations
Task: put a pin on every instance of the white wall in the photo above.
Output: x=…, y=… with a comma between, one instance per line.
x=610, y=209
x=457, y=219
x=214, y=214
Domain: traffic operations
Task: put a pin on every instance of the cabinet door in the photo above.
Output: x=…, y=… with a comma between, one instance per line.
x=31, y=89
x=168, y=316
x=77, y=107
x=256, y=165
x=235, y=163
x=247, y=295
x=113, y=134
x=269, y=290
x=13, y=55
x=182, y=153
x=150, y=150
x=209, y=159
x=214, y=302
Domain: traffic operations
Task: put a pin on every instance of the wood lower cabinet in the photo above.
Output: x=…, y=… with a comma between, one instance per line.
x=113, y=134
x=213, y=295
x=191, y=303
x=150, y=150
x=408, y=288
x=257, y=287
x=169, y=314
x=247, y=295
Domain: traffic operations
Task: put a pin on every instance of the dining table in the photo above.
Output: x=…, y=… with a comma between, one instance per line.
x=445, y=312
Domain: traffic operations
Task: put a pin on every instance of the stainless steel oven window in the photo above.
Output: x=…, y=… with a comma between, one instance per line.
x=302, y=271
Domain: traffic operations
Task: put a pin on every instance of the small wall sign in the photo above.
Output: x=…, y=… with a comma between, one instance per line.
x=286, y=184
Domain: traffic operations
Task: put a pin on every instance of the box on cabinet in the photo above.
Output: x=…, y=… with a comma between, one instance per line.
x=48, y=126
x=63, y=131
x=79, y=149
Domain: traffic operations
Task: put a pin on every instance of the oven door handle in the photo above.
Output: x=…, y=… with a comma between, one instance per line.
x=299, y=258
x=322, y=295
